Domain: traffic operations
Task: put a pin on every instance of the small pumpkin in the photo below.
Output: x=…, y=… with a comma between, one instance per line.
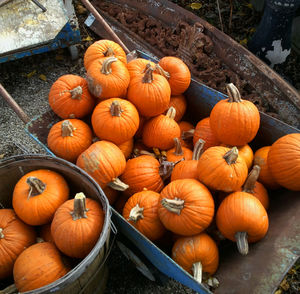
x=69, y=138
x=127, y=147
x=221, y=168
x=234, y=121
x=115, y=120
x=101, y=49
x=284, y=161
x=69, y=97
x=197, y=255
x=77, y=225
x=108, y=78
x=179, y=152
x=38, y=266
x=15, y=236
x=186, y=207
x=38, y=194
x=180, y=105
x=138, y=66
x=176, y=72
x=141, y=212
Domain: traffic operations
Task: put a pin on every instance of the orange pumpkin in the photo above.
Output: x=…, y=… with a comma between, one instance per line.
x=77, y=225
x=141, y=212
x=38, y=194
x=197, y=254
x=179, y=152
x=284, y=161
x=127, y=147
x=69, y=138
x=69, y=97
x=234, y=121
x=186, y=207
x=187, y=133
x=101, y=49
x=138, y=66
x=115, y=120
x=108, y=78
x=180, y=104
x=15, y=236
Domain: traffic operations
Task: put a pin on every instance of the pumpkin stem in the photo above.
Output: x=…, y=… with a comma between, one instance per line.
x=80, y=209
x=242, y=242
x=148, y=76
x=197, y=271
x=118, y=185
x=109, y=52
x=136, y=213
x=233, y=93
x=187, y=134
x=251, y=179
x=178, y=148
x=213, y=282
x=198, y=149
x=231, y=155
x=161, y=71
x=115, y=109
x=1, y=233
x=106, y=66
x=173, y=205
x=37, y=187
x=171, y=113
x=76, y=92
x=67, y=129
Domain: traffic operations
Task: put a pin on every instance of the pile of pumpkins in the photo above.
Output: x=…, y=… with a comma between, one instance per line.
x=123, y=125
x=45, y=233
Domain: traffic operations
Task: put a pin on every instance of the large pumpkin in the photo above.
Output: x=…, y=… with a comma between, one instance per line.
x=38, y=194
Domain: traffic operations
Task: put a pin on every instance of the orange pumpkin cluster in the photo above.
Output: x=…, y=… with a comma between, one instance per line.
x=176, y=177
x=43, y=226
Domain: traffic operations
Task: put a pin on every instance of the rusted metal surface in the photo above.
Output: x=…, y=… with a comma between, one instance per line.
x=267, y=86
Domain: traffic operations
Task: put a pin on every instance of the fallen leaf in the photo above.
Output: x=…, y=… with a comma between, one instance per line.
x=2, y=156
x=31, y=74
x=80, y=9
x=278, y=292
x=284, y=285
x=196, y=5
x=252, y=30
x=249, y=5
x=244, y=41
x=88, y=38
x=43, y=77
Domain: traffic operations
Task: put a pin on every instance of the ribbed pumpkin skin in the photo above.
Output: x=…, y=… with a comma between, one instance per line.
x=137, y=66
x=235, y=123
x=61, y=101
x=188, y=250
x=117, y=129
x=198, y=209
x=242, y=212
x=105, y=86
x=14, y=238
x=149, y=225
x=186, y=169
x=265, y=176
x=180, y=75
x=142, y=172
x=76, y=238
x=180, y=104
x=127, y=147
x=70, y=147
x=171, y=155
x=98, y=50
x=284, y=161
x=39, y=209
x=103, y=160
x=217, y=174
x=38, y=266
x=160, y=132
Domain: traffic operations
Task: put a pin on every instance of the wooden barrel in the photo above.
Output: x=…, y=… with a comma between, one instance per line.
x=91, y=273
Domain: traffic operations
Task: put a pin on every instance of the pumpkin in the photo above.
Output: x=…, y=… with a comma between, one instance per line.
x=77, y=225
x=38, y=194
x=186, y=207
x=234, y=121
x=45, y=233
x=197, y=255
x=115, y=120
x=188, y=169
x=187, y=133
x=139, y=132
x=242, y=218
x=179, y=152
x=15, y=236
x=69, y=138
x=161, y=130
x=69, y=97
x=101, y=49
x=111, y=194
x=180, y=104
x=203, y=131
x=104, y=161
x=127, y=147
x=150, y=93
x=138, y=66
x=176, y=72
x=221, y=168
x=140, y=211
x=284, y=161
x=108, y=78
x=265, y=176
x=245, y=152
x=142, y=172
x=38, y=266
